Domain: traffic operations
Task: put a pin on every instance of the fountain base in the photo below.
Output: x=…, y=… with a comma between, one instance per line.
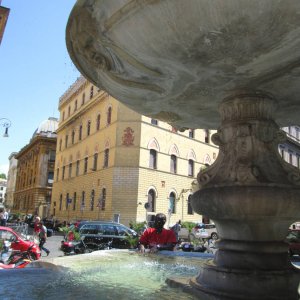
x=244, y=284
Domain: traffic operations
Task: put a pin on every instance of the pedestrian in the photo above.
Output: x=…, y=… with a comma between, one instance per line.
x=176, y=228
x=43, y=237
x=36, y=227
x=2, y=217
x=157, y=238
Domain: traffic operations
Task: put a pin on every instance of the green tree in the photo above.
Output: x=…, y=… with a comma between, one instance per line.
x=3, y=176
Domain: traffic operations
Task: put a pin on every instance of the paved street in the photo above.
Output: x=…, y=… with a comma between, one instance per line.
x=53, y=244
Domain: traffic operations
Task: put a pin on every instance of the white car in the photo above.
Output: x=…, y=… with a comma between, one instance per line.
x=200, y=231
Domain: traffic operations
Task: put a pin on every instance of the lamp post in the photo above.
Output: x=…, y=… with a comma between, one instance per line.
x=6, y=123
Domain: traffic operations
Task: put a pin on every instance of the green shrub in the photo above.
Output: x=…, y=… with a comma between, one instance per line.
x=138, y=227
x=188, y=225
x=67, y=229
x=132, y=241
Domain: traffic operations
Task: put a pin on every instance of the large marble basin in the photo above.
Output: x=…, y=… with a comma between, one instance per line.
x=177, y=60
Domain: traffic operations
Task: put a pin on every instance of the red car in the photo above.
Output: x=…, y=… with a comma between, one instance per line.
x=293, y=238
x=18, y=243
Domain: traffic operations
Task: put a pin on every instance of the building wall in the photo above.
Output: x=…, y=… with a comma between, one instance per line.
x=3, y=184
x=11, y=180
x=33, y=184
x=290, y=150
x=127, y=179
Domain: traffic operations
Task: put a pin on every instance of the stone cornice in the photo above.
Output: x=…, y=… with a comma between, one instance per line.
x=101, y=96
x=36, y=140
x=74, y=89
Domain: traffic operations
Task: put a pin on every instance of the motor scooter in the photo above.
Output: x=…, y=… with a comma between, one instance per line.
x=81, y=247
x=14, y=259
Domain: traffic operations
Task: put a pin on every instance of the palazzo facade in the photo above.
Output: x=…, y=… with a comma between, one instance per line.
x=115, y=164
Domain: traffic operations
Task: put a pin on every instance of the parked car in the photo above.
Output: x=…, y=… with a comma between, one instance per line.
x=18, y=243
x=200, y=231
x=293, y=239
x=97, y=233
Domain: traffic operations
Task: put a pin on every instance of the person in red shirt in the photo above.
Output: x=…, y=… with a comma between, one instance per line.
x=157, y=238
x=36, y=227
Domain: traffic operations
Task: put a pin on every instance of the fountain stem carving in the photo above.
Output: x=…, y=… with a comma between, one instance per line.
x=253, y=196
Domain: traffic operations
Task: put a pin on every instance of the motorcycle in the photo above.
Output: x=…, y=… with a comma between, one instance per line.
x=14, y=259
x=81, y=247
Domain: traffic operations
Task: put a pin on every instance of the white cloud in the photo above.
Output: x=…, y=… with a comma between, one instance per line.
x=4, y=169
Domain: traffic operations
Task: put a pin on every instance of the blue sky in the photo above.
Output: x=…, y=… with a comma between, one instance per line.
x=35, y=68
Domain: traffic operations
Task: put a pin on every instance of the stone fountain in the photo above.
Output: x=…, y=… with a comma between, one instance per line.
x=231, y=65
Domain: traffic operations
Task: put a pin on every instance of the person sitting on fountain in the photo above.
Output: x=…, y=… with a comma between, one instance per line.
x=157, y=238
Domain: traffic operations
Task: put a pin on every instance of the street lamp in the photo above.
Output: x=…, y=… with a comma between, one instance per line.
x=6, y=123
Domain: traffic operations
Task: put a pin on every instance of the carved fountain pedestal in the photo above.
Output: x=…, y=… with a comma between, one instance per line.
x=253, y=197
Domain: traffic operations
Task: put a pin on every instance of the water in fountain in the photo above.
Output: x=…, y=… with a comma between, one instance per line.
x=105, y=275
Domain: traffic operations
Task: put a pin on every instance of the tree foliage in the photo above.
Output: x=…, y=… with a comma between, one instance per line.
x=3, y=176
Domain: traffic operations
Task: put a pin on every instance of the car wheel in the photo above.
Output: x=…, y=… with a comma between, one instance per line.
x=214, y=236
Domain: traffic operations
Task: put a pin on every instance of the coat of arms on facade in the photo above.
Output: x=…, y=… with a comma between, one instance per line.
x=128, y=137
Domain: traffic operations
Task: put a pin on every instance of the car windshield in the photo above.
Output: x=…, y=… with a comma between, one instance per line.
x=8, y=235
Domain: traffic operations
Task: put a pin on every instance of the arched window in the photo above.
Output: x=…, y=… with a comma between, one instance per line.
x=86, y=159
x=191, y=133
x=98, y=122
x=191, y=168
x=92, y=199
x=88, y=128
x=74, y=201
x=77, y=167
x=172, y=204
x=67, y=201
x=60, y=201
x=103, y=199
x=91, y=92
x=153, y=159
x=173, y=164
x=73, y=137
x=151, y=200
x=82, y=200
x=80, y=133
x=63, y=172
x=106, y=158
x=154, y=122
x=207, y=136
x=95, y=162
x=70, y=170
x=109, y=115
x=66, y=141
x=83, y=99
x=75, y=106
